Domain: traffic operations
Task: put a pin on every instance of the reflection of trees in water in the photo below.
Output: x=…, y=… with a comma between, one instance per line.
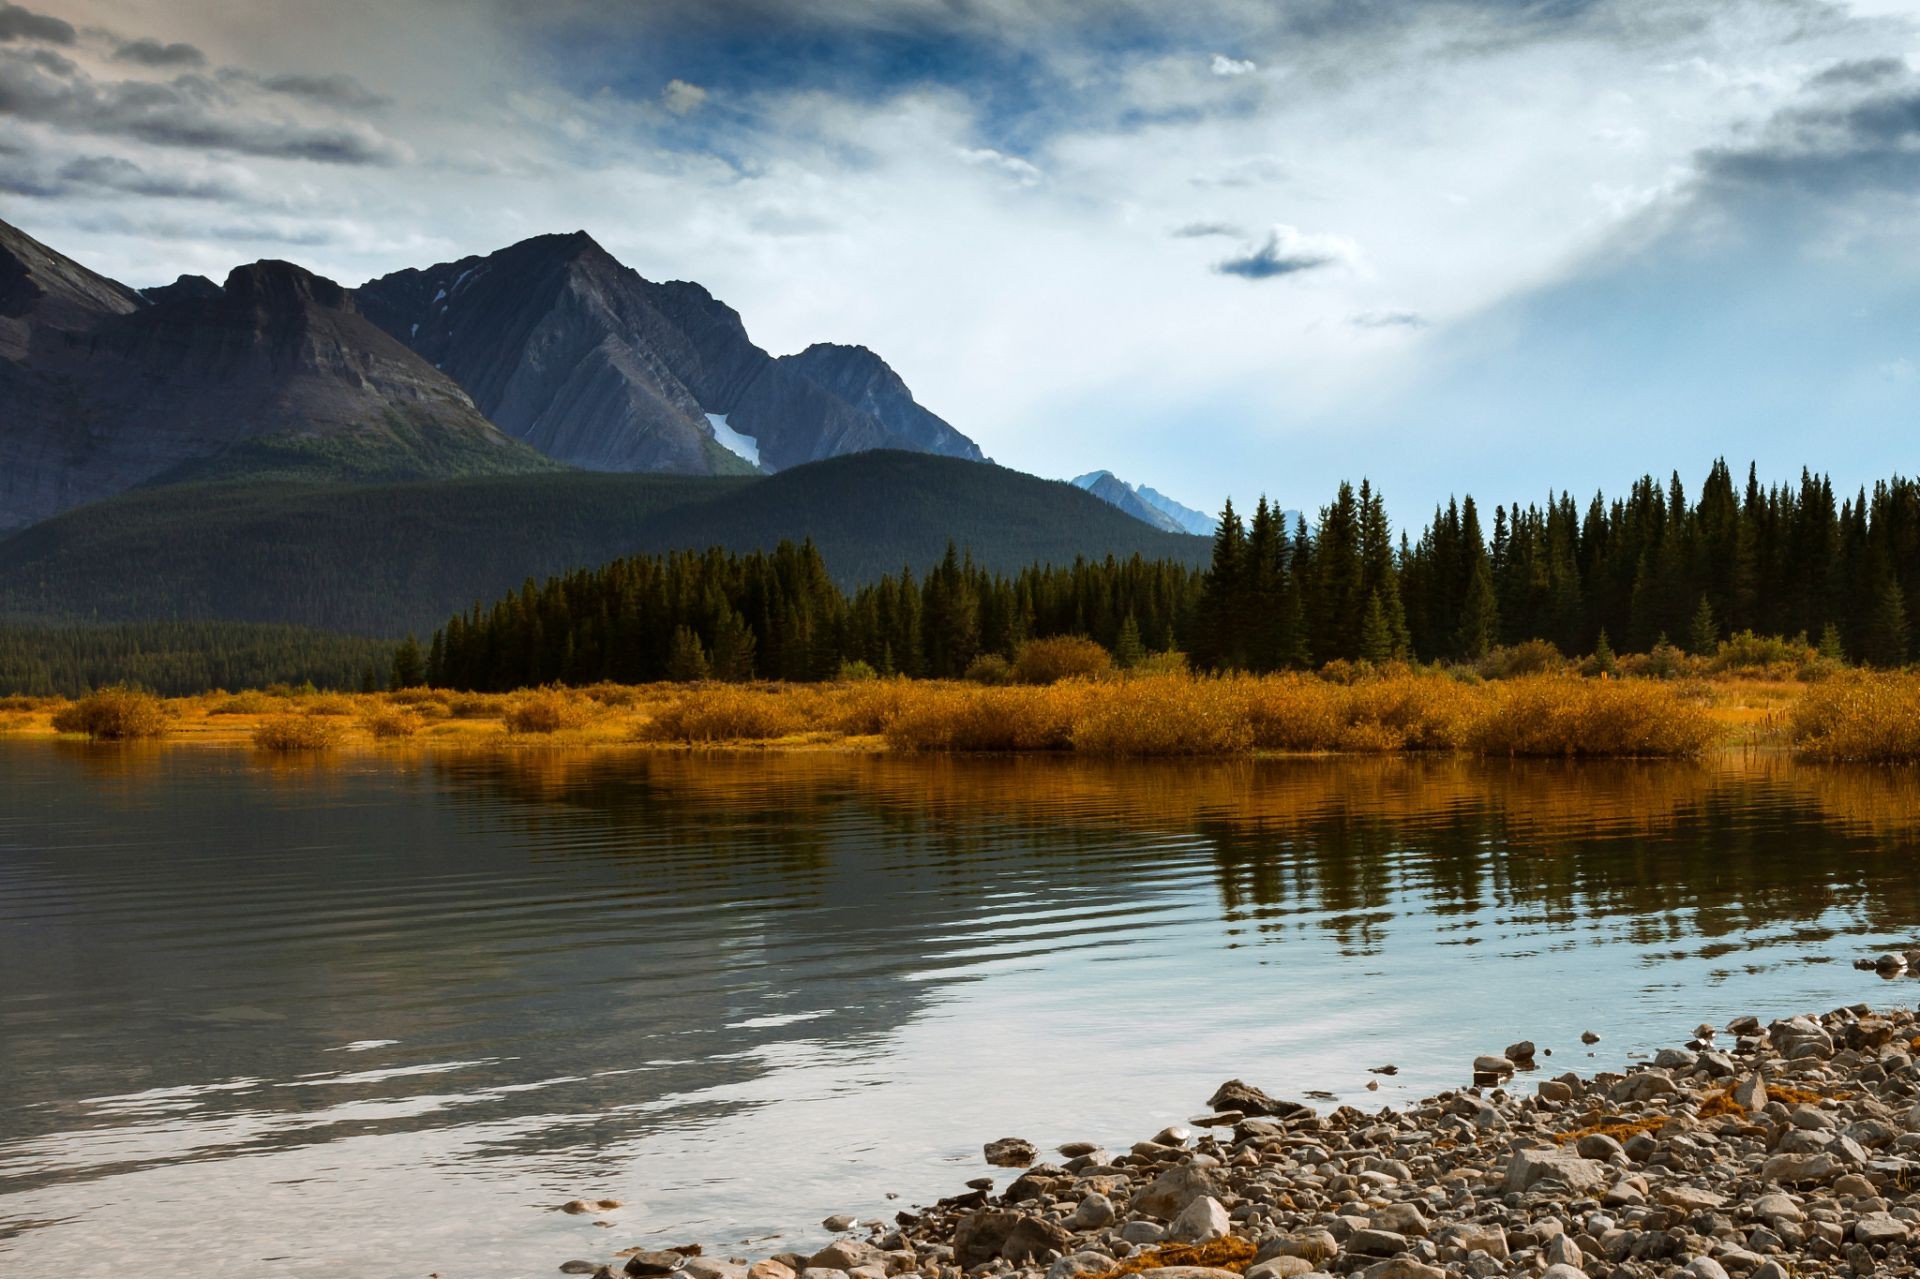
x=1674, y=852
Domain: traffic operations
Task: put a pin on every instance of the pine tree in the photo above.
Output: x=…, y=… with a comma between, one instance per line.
x=733, y=646
x=1128, y=651
x=1703, y=633
x=686, y=658
x=1220, y=644
x=1376, y=633
x=1603, y=659
x=1888, y=637
x=1479, y=615
x=1830, y=646
x=409, y=665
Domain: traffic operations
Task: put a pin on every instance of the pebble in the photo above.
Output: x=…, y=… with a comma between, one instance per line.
x=1781, y=1150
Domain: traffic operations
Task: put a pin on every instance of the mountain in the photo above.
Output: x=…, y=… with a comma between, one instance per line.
x=864, y=380
x=584, y=359
x=1145, y=505
x=276, y=370
x=384, y=559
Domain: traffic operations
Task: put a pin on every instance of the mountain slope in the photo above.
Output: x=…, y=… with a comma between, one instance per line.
x=591, y=363
x=276, y=370
x=867, y=382
x=383, y=559
x=1144, y=504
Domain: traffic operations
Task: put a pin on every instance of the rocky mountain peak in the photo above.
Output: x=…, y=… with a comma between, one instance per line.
x=272, y=286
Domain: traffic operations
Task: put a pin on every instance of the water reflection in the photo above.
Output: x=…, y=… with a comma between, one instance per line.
x=380, y=1015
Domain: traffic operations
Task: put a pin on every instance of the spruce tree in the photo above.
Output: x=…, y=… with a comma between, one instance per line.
x=409, y=665
x=1376, y=633
x=686, y=657
x=1128, y=651
x=733, y=646
x=1888, y=636
x=1479, y=615
x=1603, y=659
x=1830, y=646
x=1703, y=634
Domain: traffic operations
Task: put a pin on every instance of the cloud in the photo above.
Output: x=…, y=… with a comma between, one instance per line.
x=25, y=171
x=682, y=98
x=24, y=24
x=1023, y=172
x=1288, y=251
x=1860, y=71
x=151, y=53
x=1388, y=320
x=1224, y=66
x=190, y=112
x=1201, y=230
x=342, y=91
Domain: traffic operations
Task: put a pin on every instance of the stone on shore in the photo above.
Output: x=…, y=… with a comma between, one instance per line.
x=1528, y=1168
x=1011, y=1152
x=1170, y=1193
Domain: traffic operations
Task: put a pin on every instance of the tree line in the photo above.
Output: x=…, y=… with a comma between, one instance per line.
x=1624, y=574
x=180, y=658
x=780, y=615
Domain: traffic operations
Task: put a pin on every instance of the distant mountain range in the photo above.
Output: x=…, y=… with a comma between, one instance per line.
x=547, y=353
x=277, y=447
x=1146, y=505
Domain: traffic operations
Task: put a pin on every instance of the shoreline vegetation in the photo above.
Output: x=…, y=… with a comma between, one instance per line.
x=1757, y=1151
x=1854, y=716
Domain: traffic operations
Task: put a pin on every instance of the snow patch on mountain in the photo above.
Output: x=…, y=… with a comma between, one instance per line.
x=744, y=446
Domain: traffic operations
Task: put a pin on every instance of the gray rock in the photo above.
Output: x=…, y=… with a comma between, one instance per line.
x=1170, y=1193
x=1527, y=1168
x=1095, y=1212
x=1201, y=1221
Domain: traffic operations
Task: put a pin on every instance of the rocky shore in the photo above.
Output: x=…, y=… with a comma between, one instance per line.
x=1755, y=1151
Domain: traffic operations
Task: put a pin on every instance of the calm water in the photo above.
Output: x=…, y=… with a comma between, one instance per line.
x=379, y=1017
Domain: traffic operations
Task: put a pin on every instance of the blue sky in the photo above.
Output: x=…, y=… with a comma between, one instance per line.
x=1221, y=247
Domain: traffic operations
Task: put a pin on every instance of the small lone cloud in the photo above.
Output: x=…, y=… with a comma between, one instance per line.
x=341, y=91
x=1389, y=320
x=1201, y=230
x=24, y=24
x=1898, y=369
x=1860, y=71
x=1023, y=172
x=1225, y=66
x=683, y=98
x=1288, y=251
x=151, y=53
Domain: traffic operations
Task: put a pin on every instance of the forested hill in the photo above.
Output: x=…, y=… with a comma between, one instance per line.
x=388, y=559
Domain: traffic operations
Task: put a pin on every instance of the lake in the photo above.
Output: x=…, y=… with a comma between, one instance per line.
x=381, y=1015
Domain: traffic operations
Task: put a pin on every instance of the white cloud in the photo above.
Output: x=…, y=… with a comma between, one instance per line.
x=682, y=98
x=1224, y=66
x=1021, y=171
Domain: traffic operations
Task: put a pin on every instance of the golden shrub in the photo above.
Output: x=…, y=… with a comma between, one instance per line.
x=476, y=705
x=1863, y=716
x=389, y=723
x=729, y=713
x=1048, y=661
x=114, y=714
x=1165, y=715
x=1567, y=715
x=293, y=732
x=948, y=717
x=546, y=710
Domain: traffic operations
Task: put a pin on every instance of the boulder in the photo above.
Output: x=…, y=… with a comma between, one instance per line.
x=1011, y=1152
x=1238, y=1095
x=1527, y=1168
x=1170, y=1193
x=1201, y=1221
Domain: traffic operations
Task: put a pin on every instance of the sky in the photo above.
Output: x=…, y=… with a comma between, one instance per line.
x=1223, y=247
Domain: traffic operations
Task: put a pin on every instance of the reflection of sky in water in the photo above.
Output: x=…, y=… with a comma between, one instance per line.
x=380, y=1018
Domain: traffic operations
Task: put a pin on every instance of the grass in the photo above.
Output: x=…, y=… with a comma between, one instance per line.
x=1858, y=717
x=1164, y=713
x=307, y=731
